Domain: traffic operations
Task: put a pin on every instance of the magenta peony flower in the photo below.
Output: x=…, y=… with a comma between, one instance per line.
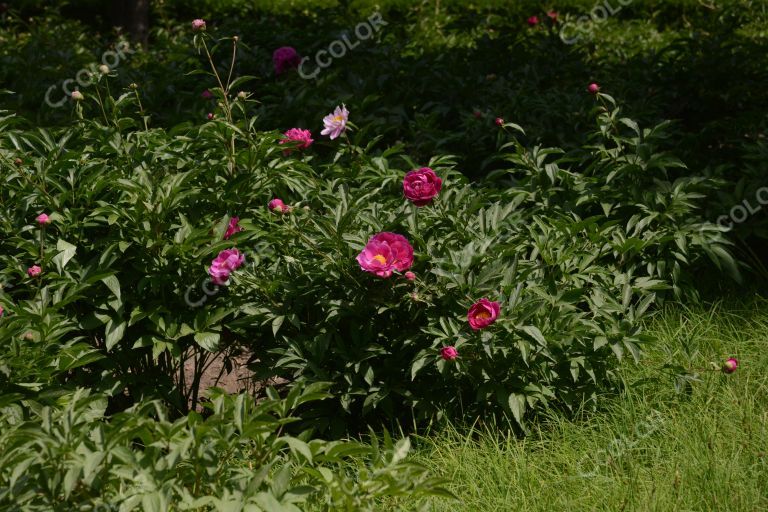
x=336, y=122
x=593, y=88
x=225, y=263
x=449, y=353
x=285, y=58
x=533, y=21
x=198, y=25
x=43, y=219
x=483, y=313
x=410, y=276
x=730, y=365
x=34, y=271
x=303, y=138
x=499, y=122
x=277, y=205
x=385, y=253
x=232, y=228
x=420, y=186
x=206, y=94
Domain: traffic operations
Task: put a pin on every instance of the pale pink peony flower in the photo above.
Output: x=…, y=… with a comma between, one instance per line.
x=533, y=21
x=449, y=353
x=43, y=219
x=232, y=228
x=420, y=186
x=336, y=122
x=198, y=25
x=285, y=58
x=303, y=138
x=410, y=276
x=34, y=271
x=277, y=205
x=593, y=88
x=206, y=94
x=483, y=313
x=730, y=365
x=385, y=253
x=224, y=264
x=499, y=121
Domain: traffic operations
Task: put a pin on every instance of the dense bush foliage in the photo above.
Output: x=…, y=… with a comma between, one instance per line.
x=429, y=259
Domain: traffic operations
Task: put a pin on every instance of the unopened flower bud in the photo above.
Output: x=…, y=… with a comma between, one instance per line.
x=77, y=96
x=730, y=365
x=104, y=69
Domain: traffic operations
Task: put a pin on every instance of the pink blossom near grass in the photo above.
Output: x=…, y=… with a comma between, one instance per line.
x=198, y=25
x=385, y=253
x=449, y=353
x=285, y=58
x=593, y=88
x=43, y=219
x=483, y=313
x=335, y=123
x=301, y=138
x=232, y=228
x=730, y=365
x=224, y=264
x=34, y=271
x=420, y=186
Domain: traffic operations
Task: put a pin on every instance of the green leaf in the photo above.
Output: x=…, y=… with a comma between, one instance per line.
x=208, y=340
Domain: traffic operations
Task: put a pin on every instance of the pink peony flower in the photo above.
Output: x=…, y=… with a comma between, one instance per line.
x=410, y=276
x=232, y=228
x=730, y=365
x=499, y=122
x=210, y=116
x=285, y=58
x=277, y=205
x=593, y=88
x=553, y=16
x=198, y=25
x=336, y=122
x=303, y=138
x=420, y=186
x=483, y=313
x=206, y=94
x=449, y=353
x=43, y=219
x=225, y=263
x=385, y=253
x=533, y=21
x=34, y=271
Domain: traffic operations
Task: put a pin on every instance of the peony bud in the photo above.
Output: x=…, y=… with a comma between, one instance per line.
x=104, y=69
x=277, y=205
x=198, y=25
x=18, y=161
x=28, y=336
x=77, y=96
x=499, y=122
x=242, y=95
x=43, y=219
x=533, y=21
x=1, y=311
x=34, y=271
x=410, y=275
x=593, y=88
x=210, y=116
x=449, y=353
x=730, y=365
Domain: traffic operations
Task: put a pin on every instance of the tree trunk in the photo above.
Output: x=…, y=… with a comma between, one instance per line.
x=133, y=16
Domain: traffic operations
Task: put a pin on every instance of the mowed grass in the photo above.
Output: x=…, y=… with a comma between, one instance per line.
x=652, y=448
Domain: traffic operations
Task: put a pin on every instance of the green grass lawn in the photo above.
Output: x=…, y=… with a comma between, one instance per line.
x=652, y=448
